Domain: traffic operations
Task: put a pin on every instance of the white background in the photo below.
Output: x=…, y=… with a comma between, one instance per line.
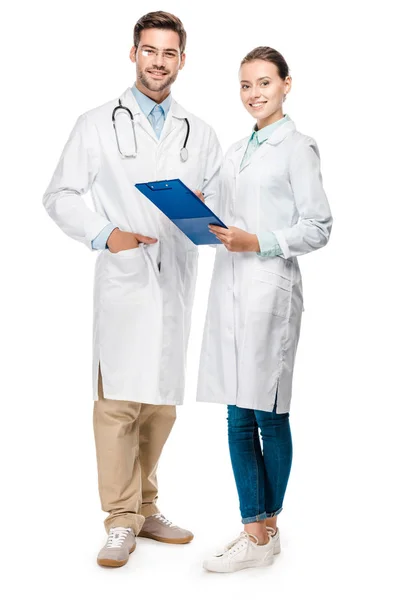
x=340, y=523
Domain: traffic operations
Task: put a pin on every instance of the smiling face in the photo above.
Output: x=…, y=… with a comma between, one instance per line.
x=158, y=61
x=262, y=91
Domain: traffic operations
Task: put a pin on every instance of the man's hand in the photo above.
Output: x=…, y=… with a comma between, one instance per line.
x=235, y=239
x=199, y=195
x=125, y=240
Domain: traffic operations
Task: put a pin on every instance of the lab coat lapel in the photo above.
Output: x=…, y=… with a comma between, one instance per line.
x=174, y=118
x=276, y=138
x=238, y=153
x=144, y=123
x=169, y=126
x=129, y=100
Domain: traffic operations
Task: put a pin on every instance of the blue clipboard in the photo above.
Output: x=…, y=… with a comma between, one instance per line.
x=183, y=208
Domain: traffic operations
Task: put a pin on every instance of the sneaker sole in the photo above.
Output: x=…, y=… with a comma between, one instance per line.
x=227, y=569
x=185, y=540
x=109, y=562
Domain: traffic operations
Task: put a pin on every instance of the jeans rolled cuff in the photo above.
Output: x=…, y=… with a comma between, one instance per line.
x=255, y=519
x=261, y=517
x=274, y=514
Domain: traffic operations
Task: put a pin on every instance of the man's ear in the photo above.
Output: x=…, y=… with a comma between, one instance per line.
x=132, y=54
x=183, y=60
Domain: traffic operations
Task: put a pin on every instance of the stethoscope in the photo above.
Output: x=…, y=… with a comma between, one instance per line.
x=184, y=154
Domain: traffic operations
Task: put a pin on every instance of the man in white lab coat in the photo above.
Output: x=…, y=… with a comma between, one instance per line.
x=145, y=274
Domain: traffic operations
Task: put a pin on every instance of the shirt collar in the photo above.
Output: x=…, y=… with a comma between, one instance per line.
x=264, y=133
x=146, y=104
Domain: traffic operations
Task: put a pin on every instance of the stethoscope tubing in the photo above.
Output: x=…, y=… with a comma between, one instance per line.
x=183, y=152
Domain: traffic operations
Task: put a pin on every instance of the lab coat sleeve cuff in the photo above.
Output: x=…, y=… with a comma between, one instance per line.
x=285, y=252
x=269, y=245
x=99, y=223
x=100, y=241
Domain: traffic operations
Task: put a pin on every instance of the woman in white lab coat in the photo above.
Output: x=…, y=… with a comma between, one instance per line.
x=272, y=199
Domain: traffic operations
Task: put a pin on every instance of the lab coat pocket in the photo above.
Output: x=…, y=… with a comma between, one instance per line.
x=125, y=253
x=126, y=276
x=272, y=292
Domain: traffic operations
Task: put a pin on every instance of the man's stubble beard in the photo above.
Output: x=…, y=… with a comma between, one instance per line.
x=155, y=86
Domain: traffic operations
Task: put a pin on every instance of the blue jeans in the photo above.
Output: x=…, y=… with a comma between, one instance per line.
x=261, y=475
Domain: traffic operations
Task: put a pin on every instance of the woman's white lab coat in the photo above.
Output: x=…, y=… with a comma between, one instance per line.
x=255, y=303
x=141, y=311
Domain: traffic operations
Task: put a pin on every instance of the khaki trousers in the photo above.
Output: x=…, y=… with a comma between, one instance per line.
x=129, y=438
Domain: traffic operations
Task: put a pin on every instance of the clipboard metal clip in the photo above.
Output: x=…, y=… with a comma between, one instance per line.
x=159, y=186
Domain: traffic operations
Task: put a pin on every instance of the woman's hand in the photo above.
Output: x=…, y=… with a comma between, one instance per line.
x=235, y=239
x=125, y=240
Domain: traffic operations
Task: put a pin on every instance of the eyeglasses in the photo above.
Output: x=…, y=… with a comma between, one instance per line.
x=171, y=55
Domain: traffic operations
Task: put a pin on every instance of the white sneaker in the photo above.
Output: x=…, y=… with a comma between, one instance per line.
x=275, y=538
x=242, y=553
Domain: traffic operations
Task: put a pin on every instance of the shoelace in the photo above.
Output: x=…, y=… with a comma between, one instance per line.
x=117, y=536
x=240, y=542
x=163, y=520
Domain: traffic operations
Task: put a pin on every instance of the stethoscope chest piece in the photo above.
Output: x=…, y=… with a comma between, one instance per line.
x=184, y=154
